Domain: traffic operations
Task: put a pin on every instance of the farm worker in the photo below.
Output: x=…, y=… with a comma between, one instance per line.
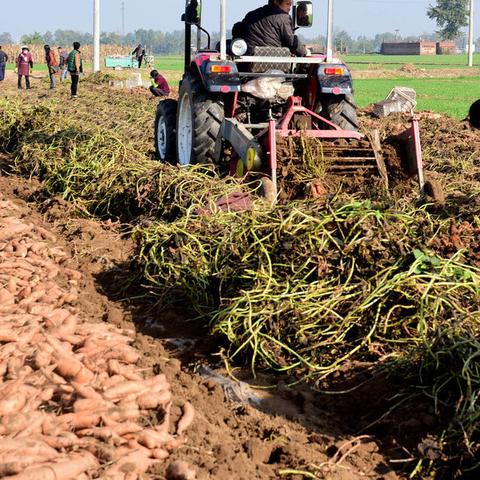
x=139, y=53
x=63, y=63
x=52, y=64
x=160, y=87
x=24, y=63
x=269, y=26
x=3, y=63
x=474, y=114
x=75, y=67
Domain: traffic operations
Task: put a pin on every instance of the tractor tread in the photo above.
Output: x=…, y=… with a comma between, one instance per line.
x=208, y=117
x=168, y=109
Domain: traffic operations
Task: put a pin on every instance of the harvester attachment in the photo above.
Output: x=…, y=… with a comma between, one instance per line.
x=429, y=187
x=304, y=142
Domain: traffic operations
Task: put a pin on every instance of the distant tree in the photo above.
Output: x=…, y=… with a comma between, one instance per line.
x=383, y=37
x=49, y=38
x=343, y=41
x=450, y=16
x=5, y=38
x=35, y=38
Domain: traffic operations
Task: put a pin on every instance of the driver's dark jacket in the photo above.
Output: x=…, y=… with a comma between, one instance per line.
x=268, y=26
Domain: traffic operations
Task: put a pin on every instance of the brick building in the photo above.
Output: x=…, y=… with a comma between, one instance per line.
x=422, y=47
x=446, y=48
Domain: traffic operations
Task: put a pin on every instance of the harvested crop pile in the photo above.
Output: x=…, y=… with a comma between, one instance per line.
x=73, y=404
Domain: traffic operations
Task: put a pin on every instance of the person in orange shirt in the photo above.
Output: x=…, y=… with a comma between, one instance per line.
x=52, y=64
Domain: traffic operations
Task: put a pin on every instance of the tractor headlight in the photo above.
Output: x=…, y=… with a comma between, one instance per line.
x=239, y=47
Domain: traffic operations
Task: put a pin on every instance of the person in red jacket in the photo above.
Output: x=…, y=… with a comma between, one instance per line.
x=160, y=87
x=24, y=64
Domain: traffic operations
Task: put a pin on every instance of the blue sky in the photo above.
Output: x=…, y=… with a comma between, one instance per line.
x=356, y=16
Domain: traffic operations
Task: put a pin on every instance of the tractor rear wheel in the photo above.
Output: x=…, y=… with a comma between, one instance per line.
x=200, y=115
x=165, y=131
x=341, y=110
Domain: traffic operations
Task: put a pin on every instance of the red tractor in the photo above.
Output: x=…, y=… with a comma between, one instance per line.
x=233, y=108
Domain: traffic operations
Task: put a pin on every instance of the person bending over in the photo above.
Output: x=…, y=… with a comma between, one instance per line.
x=159, y=86
x=269, y=26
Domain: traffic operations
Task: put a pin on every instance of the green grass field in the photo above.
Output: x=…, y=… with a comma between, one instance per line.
x=452, y=96
x=393, y=62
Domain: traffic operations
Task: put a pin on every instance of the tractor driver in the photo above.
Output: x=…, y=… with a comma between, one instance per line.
x=269, y=26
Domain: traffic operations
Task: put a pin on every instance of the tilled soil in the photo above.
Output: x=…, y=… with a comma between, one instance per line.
x=289, y=430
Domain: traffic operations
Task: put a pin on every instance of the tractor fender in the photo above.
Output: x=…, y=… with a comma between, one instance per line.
x=335, y=79
x=217, y=76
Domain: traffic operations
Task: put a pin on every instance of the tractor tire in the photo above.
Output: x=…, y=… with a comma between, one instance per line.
x=200, y=115
x=341, y=110
x=166, y=131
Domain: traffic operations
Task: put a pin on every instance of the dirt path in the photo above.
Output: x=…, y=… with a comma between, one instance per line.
x=288, y=430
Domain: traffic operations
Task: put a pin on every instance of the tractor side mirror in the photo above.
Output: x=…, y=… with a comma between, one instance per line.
x=304, y=14
x=193, y=12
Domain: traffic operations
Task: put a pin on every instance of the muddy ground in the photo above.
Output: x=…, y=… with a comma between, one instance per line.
x=288, y=429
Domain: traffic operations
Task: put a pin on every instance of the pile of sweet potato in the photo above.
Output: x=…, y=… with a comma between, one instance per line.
x=73, y=404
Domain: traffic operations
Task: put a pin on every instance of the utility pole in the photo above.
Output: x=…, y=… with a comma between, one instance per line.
x=123, y=19
x=330, y=31
x=96, y=35
x=471, y=46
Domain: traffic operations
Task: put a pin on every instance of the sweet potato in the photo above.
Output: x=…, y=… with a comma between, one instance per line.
x=64, y=440
x=42, y=359
x=116, y=368
x=157, y=383
x=124, y=389
x=32, y=451
x=65, y=470
x=12, y=468
x=6, y=297
x=137, y=461
x=12, y=404
x=152, y=400
x=34, y=427
x=92, y=405
x=80, y=420
x=69, y=367
x=153, y=439
x=121, y=414
x=160, y=454
x=187, y=418
x=86, y=392
x=106, y=434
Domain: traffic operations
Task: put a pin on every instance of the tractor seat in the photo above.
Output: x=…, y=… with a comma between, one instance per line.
x=271, y=52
